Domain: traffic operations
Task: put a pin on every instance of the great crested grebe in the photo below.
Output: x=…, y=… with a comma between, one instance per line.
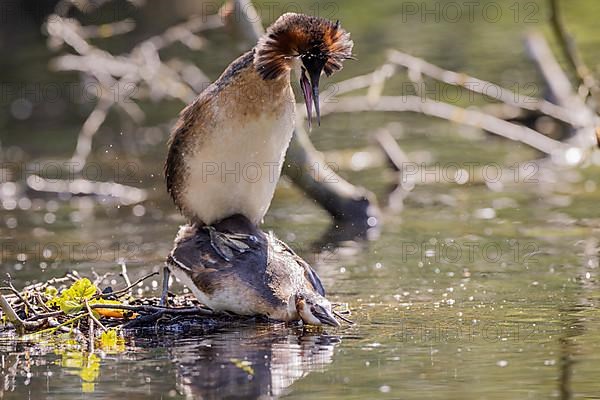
x=269, y=279
x=227, y=149
x=224, y=160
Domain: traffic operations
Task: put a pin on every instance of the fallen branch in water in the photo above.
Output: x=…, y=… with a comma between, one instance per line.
x=449, y=112
x=584, y=74
x=127, y=195
x=480, y=86
x=562, y=92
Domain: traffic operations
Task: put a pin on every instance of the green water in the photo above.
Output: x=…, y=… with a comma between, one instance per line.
x=467, y=293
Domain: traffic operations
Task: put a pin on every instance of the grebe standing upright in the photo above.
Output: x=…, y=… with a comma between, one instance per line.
x=227, y=149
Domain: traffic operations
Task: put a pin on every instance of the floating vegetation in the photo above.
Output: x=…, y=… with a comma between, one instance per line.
x=73, y=309
x=82, y=323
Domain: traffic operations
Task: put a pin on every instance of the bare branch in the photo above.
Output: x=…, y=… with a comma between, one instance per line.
x=20, y=325
x=451, y=113
x=91, y=314
x=124, y=274
x=394, y=154
x=88, y=130
x=154, y=309
x=129, y=287
x=480, y=86
x=560, y=87
x=562, y=91
x=12, y=288
x=386, y=71
x=126, y=194
x=583, y=73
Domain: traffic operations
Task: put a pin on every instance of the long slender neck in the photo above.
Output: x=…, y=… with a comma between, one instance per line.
x=269, y=93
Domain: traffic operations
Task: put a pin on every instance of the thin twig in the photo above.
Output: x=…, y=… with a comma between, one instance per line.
x=126, y=194
x=124, y=274
x=340, y=316
x=18, y=294
x=91, y=313
x=20, y=325
x=557, y=81
x=40, y=301
x=99, y=278
x=394, y=154
x=75, y=275
x=562, y=91
x=154, y=309
x=55, y=328
x=55, y=324
x=128, y=288
x=87, y=132
x=363, y=81
x=45, y=315
x=43, y=285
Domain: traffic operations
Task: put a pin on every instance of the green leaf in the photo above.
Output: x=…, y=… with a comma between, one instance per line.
x=72, y=300
x=51, y=291
x=82, y=289
x=54, y=302
x=70, y=306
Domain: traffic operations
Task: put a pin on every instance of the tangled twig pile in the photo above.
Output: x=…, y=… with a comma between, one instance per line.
x=77, y=306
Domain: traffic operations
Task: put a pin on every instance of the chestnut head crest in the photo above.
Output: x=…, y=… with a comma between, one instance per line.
x=319, y=44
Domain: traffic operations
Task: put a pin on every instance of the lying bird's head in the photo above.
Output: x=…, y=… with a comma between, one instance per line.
x=319, y=44
x=315, y=309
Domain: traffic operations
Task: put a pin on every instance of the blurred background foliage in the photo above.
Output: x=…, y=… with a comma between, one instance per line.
x=490, y=50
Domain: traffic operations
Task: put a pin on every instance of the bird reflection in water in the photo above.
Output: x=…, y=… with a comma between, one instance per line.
x=250, y=362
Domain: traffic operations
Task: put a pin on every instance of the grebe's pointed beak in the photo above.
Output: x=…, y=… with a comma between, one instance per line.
x=307, y=92
x=310, y=90
x=325, y=316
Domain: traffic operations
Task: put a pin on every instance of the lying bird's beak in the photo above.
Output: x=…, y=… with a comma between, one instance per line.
x=310, y=90
x=325, y=316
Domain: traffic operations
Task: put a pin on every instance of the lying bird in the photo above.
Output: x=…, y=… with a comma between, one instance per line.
x=268, y=278
x=225, y=157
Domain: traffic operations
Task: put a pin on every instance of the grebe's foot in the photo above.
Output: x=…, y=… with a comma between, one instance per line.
x=225, y=243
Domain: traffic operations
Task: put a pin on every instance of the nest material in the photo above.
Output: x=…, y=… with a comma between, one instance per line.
x=77, y=306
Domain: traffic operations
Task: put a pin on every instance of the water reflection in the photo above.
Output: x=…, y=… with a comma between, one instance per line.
x=346, y=231
x=250, y=362
x=573, y=319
